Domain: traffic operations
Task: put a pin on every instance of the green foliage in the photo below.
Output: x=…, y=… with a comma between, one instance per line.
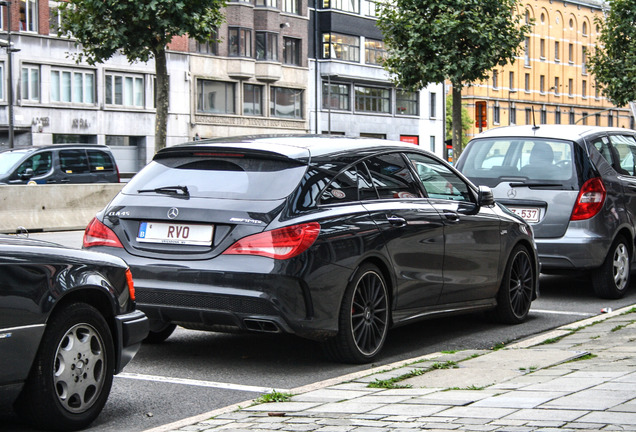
x=140, y=29
x=466, y=120
x=455, y=40
x=614, y=60
x=274, y=396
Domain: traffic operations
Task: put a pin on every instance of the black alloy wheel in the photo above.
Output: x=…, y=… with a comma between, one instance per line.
x=516, y=290
x=363, y=319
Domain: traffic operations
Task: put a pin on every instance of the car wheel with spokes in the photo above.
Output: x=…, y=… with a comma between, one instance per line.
x=611, y=280
x=363, y=320
x=517, y=288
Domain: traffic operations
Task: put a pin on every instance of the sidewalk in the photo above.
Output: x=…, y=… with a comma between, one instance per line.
x=580, y=377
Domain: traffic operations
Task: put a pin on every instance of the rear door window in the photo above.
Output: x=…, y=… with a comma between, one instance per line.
x=391, y=176
x=73, y=161
x=100, y=161
x=625, y=146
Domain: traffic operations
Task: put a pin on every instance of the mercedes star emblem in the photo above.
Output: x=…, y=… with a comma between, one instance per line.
x=512, y=193
x=173, y=213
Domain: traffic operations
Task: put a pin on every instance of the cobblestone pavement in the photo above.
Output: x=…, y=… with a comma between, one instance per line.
x=580, y=377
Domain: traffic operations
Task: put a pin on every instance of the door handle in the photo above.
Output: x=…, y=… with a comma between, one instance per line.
x=451, y=216
x=396, y=220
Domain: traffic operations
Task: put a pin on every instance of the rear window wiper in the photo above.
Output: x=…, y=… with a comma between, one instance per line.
x=537, y=184
x=169, y=190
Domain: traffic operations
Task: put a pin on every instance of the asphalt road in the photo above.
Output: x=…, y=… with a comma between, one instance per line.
x=195, y=372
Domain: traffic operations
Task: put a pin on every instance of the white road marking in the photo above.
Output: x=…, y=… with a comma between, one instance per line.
x=554, y=312
x=198, y=383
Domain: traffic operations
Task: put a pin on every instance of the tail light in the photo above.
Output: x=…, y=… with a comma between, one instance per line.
x=282, y=243
x=131, y=285
x=590, y=200
x=98, y=234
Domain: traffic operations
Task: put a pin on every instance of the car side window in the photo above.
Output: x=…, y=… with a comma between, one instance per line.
x=73, y=161
x=392, y=178
x=100, y=161
x=40, y=164
x=343, y=188
x=624, y=149
x=438, y=180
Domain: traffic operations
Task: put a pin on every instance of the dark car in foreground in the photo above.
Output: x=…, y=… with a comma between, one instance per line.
x=576, y=186
x=67, y=324
x=332, y=239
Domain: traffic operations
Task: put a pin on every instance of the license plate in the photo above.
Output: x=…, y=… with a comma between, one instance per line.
x=180, y=234
x=530, y=214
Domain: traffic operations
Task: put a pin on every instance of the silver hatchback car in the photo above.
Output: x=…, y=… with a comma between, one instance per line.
x=576, y=186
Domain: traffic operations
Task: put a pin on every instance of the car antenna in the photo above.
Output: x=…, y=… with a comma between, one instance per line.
x=534, y=121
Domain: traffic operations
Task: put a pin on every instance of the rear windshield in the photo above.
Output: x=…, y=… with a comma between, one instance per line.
x=491, y=161
x=245, y=178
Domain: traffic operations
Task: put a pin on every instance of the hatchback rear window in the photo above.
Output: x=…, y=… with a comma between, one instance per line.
x=245, y=178
x=490, y=161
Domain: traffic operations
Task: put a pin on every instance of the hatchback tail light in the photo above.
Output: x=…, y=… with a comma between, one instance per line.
x=282, y=243
x=98, y=234
x=590, y=200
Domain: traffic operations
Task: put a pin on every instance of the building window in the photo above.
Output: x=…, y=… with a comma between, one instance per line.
x=584, y=89
x=432, y=144
x=336, y=96
x=291, y=6
x=30, y=83
x=496, y=114
x=210, y=46
x=526, y=52
x=29, y=15
x=72, y=86
x=433, y=104
x=557, y=115
x=584, y=29
x=266, y=3
x=556, y=86
x=572, y=114
x=341, y=47
x=291, y=51
x=571, y=87
x=544, y=116
x=557, y=51
x=598, y=119
x=124, y=90
x=571, y=53
x=374, y=52
x=266, y=46
x=343, y=5
x=2, y=81
x=495, y=80
x=369, y=8
x=542, y=84
x=55, y=17
x=286, y=102
x=373, y=99
x=407, y=103
x=584, y=60
x=511, y=80
x=215, y=97
x=527, y=83
x=610, y=119
x=240, y=42
x=512, y=116
x=252, y=100
x=528, y=116
x=584, y=118
x=542, y=49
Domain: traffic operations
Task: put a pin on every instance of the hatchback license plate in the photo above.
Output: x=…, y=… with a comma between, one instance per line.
x=181, y=234
x=529, y=214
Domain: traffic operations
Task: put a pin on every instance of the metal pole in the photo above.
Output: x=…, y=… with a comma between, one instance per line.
x=329, y=104
x=10, y=51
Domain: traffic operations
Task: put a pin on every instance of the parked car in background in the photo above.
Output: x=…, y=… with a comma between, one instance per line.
x=67, y=324
x=576, y=185
x=332, y=239
x=58, y=164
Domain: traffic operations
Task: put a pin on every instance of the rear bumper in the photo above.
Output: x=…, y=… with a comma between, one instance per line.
x=132, y=328
x=574, y=251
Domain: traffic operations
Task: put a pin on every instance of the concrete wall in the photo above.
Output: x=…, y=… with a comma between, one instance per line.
x=52, y=207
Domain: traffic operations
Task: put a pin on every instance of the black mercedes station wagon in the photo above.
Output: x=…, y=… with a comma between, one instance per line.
x=331, y=239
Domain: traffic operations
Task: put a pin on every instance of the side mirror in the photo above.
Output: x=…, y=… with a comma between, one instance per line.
x=27, y=174
x=485, y=197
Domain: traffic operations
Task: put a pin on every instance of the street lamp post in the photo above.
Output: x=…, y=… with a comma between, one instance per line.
x=10, y=50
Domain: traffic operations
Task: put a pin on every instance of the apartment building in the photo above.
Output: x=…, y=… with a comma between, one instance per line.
x=351, y=94
x=550, y=83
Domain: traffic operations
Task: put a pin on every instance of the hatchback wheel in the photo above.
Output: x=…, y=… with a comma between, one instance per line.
x=159, y=332
x=363, y=320
x=516, y=290
x=73, y=372
x=611, y=280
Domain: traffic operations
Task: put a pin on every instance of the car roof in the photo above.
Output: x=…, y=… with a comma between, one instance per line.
x=57, y=146
x=567, y=132
x=294, y=146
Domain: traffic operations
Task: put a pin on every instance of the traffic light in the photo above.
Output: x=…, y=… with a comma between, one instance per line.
x=481, y=114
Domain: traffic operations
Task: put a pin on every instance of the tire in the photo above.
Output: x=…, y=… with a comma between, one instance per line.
x=72, y=374
x=363, y=319
x=515, y=293
x=611, y=280
x=160, y=335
